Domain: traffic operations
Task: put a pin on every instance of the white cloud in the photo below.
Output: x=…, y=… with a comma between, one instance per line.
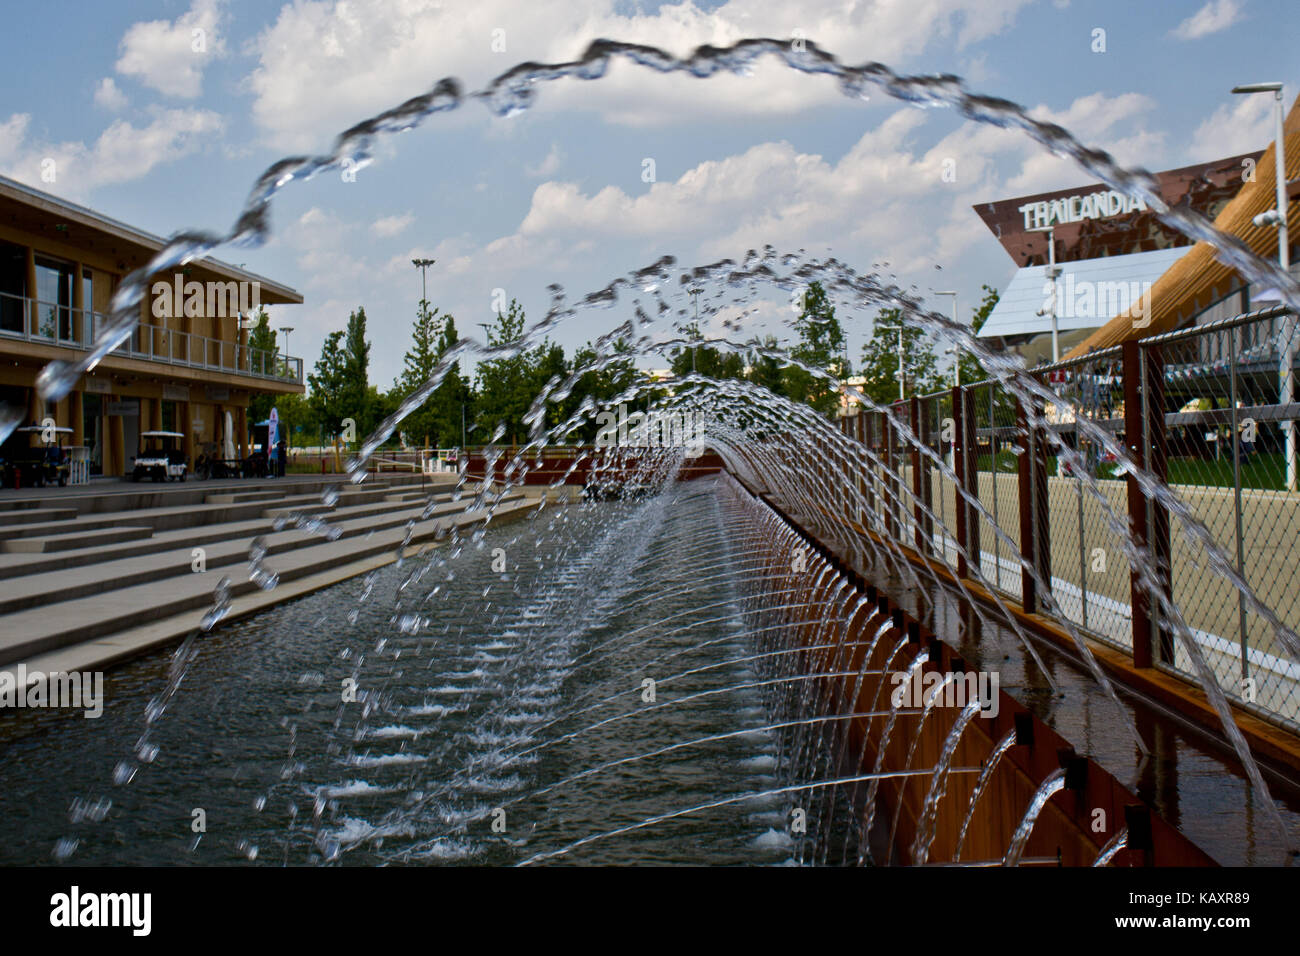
x=869, y=202
x=549, y=166
x=122, y=152
x=323, y=64
x=170, y=56
x=1215, y=16
x=108, y=96
x=1243, y=124
x=391, y=225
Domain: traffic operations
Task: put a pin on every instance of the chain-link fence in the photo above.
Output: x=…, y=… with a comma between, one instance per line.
x=1207, y=411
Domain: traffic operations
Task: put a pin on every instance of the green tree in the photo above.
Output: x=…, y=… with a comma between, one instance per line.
x=451, y=406
x=972, y=370
x=417, y=368
x=820, y=346
x=880, y=360
x=601, y=385
x=705, y=359
x=766, y=370
x=329, y=396
x=263, y=356
x=505, y=385
x=356, y=370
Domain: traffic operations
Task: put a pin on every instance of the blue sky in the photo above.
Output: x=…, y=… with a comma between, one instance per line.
x=146, y=129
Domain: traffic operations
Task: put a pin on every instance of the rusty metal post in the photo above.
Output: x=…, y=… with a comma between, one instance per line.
x=959, y=468
x=971, y=474
x=1025, y=494
x=1035, y=527
x=918, y=513
x=1145, y=439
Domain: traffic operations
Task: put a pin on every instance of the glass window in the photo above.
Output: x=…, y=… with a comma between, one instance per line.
x=54, y=297
x=13, y=286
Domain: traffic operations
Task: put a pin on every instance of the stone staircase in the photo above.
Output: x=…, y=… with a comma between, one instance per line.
x=90, y=578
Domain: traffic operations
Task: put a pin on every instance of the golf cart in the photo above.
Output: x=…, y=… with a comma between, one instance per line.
x=26, y=464
x=160, y=458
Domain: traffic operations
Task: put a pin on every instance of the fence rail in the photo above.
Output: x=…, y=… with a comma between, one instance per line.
x=1208, y=410
x=49, y=323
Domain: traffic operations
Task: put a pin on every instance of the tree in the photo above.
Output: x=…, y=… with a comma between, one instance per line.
x=765, y=369
x=505, y=389
x=452, y=404
x=704, y=359
x=263, y=356
x=356, y=370
x=821, y=346
x=880, y=360
x=600, y=385
x=328, y=399
x=972, y=370
x=418, y=365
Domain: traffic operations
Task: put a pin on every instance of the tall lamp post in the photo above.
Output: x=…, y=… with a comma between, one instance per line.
x=1052, y=272
x=695, y=299
x=423, y=266
x=1277, y=217
x=286, y=329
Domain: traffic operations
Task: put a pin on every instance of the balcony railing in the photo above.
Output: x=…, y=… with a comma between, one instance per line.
x=49, y=323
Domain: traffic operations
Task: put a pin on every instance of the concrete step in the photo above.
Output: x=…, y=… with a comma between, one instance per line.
x=34, y=516
x=175, y=557
x=68, y=542
x=134, y=641
x=16, y=565
x=20, y=504
x=176, y=516
x=42, y=629
x=418, y=496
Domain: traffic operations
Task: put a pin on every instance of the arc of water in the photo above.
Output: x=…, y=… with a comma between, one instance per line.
x=939, y=785
x=986, y=774
x=1116, y=843
x=1050, y=787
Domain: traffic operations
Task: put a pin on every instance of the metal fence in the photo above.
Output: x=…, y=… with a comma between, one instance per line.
x=1208, y=410
x=49, y=323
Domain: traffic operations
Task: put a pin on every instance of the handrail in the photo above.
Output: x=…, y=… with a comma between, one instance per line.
x=68, y=327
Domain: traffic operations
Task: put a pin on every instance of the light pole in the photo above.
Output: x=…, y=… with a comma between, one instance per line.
x=286, y=329
x=1277, y=217
x=1052, y=273
x=902, y=393
x=956, y=349
x=695, y=299
x=423, y=266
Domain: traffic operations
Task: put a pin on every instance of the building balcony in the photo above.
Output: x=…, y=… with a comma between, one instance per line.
x=23, y=319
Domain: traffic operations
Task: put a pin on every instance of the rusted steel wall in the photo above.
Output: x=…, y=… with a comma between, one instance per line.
x=558, y=465
x=1074, y=825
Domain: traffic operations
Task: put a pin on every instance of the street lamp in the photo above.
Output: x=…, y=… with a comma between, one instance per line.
x=286, y=329
x=1277, y=217
x=695, y=299
x=1052, y=273
x=899, y=329
x=423, y=266
x=956, y=349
